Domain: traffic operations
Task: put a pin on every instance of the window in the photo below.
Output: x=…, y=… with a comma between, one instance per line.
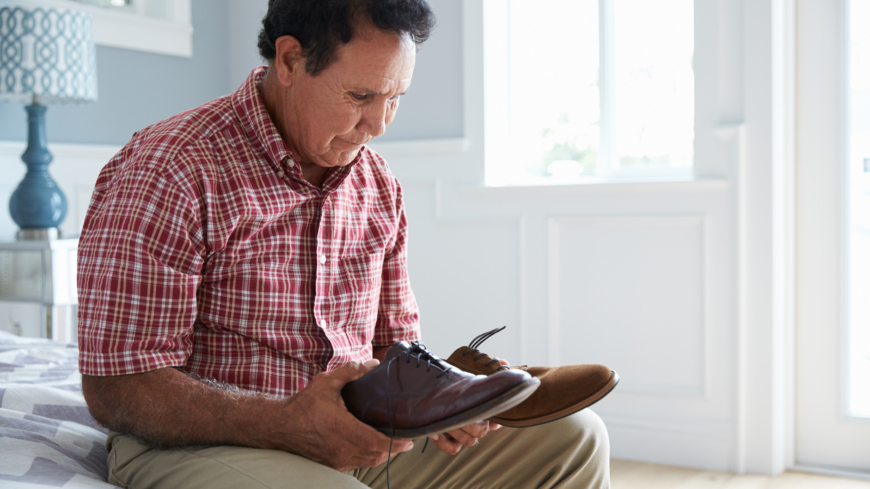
x=585, y=89
x=107, y=3
x=154, y=26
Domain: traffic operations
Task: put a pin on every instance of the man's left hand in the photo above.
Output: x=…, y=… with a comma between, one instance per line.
x=468, y=436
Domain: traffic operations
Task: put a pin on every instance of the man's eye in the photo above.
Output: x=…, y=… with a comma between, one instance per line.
x=359, y=96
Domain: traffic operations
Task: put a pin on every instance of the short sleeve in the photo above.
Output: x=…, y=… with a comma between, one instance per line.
x=139, y=265
x=398, y=314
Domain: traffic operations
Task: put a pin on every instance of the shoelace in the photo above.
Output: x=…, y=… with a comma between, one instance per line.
x=475, y=347
x=422, y=354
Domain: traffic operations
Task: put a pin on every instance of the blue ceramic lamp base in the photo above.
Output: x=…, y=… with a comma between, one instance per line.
x=37, y=205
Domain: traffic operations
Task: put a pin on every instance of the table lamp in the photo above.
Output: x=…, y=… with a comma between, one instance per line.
x=47, y=56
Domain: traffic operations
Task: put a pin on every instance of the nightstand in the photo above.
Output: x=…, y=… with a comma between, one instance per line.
x=43, y=272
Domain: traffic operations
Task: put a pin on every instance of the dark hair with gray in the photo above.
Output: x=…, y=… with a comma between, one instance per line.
x=321, y=25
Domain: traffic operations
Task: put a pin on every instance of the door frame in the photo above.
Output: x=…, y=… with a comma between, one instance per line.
x=829, y=32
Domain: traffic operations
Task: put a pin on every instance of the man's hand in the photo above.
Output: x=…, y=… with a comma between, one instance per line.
x=468, y=436
x=317, y=425
x=168, y=408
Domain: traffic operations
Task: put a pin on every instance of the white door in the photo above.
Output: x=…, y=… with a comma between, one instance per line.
x=833, y=236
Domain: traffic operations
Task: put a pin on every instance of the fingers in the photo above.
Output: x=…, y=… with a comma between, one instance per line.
x=401, y=445
x=477, y=430
x=372, y=363
x=446, y=443
x=468, y=435
x=504, y=362
x=494, y=426
x=346, y=373
x=375, y=442
x=363, y=446
x=463, y=437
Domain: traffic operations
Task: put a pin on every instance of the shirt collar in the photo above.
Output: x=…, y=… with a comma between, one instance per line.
x=252, y=113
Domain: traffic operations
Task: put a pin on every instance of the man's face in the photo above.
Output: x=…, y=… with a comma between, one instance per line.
x=328, y=117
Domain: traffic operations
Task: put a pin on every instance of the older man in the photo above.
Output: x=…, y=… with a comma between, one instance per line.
x=242, y=261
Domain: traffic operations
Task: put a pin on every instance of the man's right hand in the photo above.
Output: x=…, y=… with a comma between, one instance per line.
x=169, y=408
x=316, y=424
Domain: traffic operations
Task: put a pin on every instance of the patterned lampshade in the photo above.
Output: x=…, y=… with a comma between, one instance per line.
x=47, y=52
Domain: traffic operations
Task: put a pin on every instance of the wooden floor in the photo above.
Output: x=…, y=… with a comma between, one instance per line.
x=639, y=475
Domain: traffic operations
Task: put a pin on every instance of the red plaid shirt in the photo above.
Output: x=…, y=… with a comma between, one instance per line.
x=204, y=248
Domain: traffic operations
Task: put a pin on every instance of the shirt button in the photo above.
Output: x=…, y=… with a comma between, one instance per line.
x=322, y=259
x=280, y=174
x=323, y=325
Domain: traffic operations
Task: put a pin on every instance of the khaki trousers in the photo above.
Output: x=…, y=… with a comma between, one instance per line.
x=573, y=452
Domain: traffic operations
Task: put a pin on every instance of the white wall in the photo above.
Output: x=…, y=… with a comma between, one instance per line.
x=674, y=285
x=682, y=287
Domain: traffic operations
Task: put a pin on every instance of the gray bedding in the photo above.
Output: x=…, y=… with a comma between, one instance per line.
x=47, y=437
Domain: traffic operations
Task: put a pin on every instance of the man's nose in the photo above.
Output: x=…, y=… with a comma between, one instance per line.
x=374, y=120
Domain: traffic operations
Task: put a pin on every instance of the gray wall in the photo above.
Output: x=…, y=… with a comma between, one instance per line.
x=433, y=106
x=138, y=89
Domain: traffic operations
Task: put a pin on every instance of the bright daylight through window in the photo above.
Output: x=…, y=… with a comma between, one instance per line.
x=111, y=3
x=590, y=89
x=859, y=176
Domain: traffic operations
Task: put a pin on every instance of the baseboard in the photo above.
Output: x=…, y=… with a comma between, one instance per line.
x=698, y=445
x=832, y=471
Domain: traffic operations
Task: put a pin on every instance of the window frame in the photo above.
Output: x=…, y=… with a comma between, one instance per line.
x=496, y=46
x=132, y=28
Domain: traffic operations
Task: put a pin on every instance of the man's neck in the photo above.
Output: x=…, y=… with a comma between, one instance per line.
x=314, y=174
x=273, y=99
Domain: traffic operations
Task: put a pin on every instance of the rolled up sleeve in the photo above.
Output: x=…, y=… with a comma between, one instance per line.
x=139, y=265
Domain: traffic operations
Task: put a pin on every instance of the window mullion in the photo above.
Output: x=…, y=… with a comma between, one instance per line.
x=606, y=87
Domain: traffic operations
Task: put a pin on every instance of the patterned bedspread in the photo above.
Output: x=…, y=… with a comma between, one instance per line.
x=47, y=437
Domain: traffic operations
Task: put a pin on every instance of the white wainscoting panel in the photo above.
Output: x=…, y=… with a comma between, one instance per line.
x=628, y=292
x=636, y=276
x=465, y=274
x=669, y=444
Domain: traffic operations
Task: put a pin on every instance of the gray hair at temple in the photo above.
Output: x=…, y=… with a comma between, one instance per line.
x=321, y=26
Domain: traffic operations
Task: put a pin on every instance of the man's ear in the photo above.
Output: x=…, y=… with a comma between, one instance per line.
x=288, y=59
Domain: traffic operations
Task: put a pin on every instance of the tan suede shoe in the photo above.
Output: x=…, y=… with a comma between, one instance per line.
x=564, y=390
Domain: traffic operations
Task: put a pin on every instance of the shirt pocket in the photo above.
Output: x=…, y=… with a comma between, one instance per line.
x=361, y=275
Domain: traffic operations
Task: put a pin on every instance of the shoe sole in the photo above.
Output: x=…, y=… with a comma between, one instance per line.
x=487, y=410
x=585, y=403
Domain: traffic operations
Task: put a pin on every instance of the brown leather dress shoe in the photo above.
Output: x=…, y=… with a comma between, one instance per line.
x=413, y=393
x=564, y=390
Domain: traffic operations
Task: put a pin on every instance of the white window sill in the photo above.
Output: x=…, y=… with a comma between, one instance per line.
x=119, y=28
x=668, y=183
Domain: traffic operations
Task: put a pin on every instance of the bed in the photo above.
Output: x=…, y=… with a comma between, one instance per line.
x=47, y=437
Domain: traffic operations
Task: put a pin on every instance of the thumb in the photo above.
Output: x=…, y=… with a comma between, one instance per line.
x=349, y=372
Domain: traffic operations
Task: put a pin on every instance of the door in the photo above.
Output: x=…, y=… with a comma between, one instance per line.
x=833, y=236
